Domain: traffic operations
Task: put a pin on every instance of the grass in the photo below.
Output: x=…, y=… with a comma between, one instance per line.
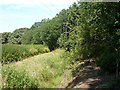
x=12, y=53
x=0, y=64
x=41, y=71
x=0, y=76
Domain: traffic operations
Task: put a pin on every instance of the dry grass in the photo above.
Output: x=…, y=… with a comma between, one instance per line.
x=45, y=70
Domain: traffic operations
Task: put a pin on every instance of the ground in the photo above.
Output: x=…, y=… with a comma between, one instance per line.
x=83, y=74
x=89, y=77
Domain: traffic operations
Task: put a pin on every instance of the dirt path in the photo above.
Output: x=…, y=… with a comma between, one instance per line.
x=90, y=77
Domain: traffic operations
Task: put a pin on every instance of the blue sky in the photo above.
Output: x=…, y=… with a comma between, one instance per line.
x=15, y=14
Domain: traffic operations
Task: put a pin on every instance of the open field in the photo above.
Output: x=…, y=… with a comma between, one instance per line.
x=41, y=71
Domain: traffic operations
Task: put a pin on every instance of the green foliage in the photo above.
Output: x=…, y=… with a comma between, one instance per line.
x=36, y=25
x=86, y=29
x=16, y=79
x=15, y=37
x=26, y=37
x=5, y=37
x=12, y=53
x=44, y=71
x=50, y=34
x=96, y=29
x=108, y=61
x=36, y=36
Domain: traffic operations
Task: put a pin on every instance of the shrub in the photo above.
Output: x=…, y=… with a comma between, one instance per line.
x=108, y=61
x=11, y=53
x=16, y=79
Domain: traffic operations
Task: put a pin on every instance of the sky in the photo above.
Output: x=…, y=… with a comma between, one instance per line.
x=15, y=14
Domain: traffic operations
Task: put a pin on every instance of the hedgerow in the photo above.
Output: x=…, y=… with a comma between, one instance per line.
x=12, y=53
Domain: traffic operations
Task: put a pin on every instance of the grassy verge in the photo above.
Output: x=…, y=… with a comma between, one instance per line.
x=12, y=53
x=42, y=71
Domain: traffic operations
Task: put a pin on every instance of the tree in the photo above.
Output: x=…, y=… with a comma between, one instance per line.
x=5, y=37
x=26, y=37
x=36, y=25
x=16, y=36
x=36, y=36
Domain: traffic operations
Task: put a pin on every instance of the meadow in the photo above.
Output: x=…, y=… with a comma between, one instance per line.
x=40, y=71
x=31, y=66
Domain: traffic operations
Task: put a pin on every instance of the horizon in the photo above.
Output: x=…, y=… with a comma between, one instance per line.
x=15, y=14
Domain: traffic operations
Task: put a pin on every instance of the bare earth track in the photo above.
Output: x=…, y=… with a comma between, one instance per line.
x=90, y=77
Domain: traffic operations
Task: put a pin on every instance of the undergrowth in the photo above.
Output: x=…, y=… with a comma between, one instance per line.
x=42, y=71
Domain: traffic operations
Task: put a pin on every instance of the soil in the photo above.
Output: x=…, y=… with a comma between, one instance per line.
x=90, y=77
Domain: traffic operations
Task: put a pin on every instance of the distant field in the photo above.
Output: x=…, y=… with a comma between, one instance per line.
x=12, y=53
x=41, y=71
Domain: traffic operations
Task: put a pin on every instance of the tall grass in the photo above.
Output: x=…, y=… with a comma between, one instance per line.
x=42, y=71
x=12, y=53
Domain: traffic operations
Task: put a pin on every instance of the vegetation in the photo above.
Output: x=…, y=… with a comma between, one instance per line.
x=40, y=72
x=12, y=53
x=87, y=30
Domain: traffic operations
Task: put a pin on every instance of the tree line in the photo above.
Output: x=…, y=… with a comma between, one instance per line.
x=85, y=29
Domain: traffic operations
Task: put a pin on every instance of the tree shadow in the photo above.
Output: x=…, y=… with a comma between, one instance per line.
x=90, y=77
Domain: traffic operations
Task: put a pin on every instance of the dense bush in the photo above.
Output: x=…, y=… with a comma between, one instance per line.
x=108, y=61
x=16, y=79
x=95, y=33
x=12, y=53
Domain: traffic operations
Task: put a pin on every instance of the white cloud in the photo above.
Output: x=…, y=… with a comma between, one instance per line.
x=12, y=15
x=51, y=5
x=37, y=2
